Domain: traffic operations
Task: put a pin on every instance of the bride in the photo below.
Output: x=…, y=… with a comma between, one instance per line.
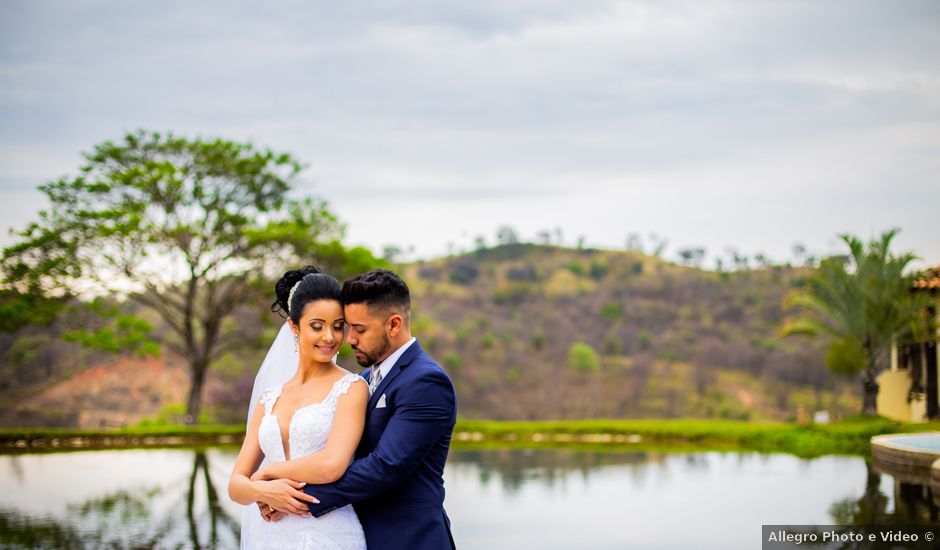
x=318, y=413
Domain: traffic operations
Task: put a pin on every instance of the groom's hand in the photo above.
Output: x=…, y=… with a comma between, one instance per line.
x=268, y=513
x=285, y=495
x=262, y=475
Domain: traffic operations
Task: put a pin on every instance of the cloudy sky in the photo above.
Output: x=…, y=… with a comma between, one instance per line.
x=720, y=124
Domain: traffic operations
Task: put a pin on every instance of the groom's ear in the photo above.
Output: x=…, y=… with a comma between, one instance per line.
x=395, y=323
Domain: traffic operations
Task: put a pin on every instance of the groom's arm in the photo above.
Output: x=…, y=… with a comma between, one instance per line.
x=424, y=414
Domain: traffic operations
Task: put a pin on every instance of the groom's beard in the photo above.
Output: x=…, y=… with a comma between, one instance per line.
x=369, y=359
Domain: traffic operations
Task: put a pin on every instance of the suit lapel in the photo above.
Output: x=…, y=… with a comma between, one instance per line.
x=403, y=362
x=382, y=385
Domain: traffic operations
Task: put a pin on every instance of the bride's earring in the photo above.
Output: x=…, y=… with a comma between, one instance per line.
x=296, y=344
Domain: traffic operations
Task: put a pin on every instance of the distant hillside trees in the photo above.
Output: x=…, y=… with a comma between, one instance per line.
x=634, y=242
x=506, y=235
x=692, y=255
x=863, y=302
x=659, y=244
x=186, y=228
x=464, y=273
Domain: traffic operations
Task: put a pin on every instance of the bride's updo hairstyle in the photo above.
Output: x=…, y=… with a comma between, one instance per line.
x=308, y=284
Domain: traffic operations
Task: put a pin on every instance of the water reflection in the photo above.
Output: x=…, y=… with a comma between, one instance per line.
x=565, y=499
x=184, y=511
x=514, y=468
x=216, y=514
x=913, y=502
x=21, y=531
x=559, y=498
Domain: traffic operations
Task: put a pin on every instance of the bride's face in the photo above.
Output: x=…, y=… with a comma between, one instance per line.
x=321, y=330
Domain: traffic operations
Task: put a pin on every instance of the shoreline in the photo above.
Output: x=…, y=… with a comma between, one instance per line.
x=850, y=436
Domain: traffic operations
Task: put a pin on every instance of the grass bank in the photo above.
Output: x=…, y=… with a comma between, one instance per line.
x=57, y=439
x=849, y=436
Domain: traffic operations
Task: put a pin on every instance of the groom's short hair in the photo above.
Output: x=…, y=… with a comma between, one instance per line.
x=381, y=290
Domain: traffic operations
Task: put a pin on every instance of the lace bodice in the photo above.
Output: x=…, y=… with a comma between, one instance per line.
x=308, y=430
x=309, y=427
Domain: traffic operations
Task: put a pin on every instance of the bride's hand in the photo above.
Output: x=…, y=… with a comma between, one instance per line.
x=285, y=495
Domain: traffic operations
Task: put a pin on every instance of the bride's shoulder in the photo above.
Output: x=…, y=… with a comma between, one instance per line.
x=342, y=375
x=347, y=380
x=270, y=394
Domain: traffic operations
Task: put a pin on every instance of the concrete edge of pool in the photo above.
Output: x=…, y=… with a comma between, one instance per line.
x=911, y=458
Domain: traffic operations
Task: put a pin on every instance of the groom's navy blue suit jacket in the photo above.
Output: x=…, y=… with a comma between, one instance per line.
x=396, y=483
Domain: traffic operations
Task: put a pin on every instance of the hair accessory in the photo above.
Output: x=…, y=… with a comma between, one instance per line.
x=290, y=296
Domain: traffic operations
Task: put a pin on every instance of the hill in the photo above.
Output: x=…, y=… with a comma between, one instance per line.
x=669, y=340
x=526, y=331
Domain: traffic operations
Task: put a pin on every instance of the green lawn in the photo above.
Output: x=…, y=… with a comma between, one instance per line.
x=850, y=436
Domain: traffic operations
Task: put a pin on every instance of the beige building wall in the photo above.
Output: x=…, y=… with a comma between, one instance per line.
x=893, y=387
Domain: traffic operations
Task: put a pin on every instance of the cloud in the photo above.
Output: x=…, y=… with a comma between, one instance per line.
x=487, y=108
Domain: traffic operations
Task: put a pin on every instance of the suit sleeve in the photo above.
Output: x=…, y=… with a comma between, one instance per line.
x=425, y=413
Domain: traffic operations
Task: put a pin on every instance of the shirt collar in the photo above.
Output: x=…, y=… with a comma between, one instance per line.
x=390, y=361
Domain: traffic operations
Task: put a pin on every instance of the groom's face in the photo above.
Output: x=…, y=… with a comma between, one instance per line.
x=368, y=335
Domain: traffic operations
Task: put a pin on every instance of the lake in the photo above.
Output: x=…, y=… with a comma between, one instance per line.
x=496, y=498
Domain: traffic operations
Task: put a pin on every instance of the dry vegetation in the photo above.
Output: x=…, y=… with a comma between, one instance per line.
x=652, y=340
x=669, y=341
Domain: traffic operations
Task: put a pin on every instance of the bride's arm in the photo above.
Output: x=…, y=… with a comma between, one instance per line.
x=249, y=457
x=330, y=464
x=283, y=494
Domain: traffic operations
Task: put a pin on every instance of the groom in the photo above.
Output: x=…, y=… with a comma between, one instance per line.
x=395, y=482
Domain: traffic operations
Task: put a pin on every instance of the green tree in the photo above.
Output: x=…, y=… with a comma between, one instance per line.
x=19, y=309
x=583, y=358
x=863, y=302
x=186, y=228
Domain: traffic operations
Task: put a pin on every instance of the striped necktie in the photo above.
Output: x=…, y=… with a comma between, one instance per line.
x=375, y=380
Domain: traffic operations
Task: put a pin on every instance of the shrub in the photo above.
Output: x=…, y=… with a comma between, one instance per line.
x=599, y=269
x=452, y=361
x=429, y=272
x=612, y=311
x=612, y=344
x=511, y=293
x=21, y=361
x=521, y=273
x=538, y=340
x=575, y=267
x=464, y=273
x=583, y=358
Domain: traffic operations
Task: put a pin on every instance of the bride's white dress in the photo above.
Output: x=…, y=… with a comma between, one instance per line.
x=308, y=432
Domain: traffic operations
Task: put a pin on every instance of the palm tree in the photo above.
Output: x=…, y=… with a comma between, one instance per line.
x=863, y=302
